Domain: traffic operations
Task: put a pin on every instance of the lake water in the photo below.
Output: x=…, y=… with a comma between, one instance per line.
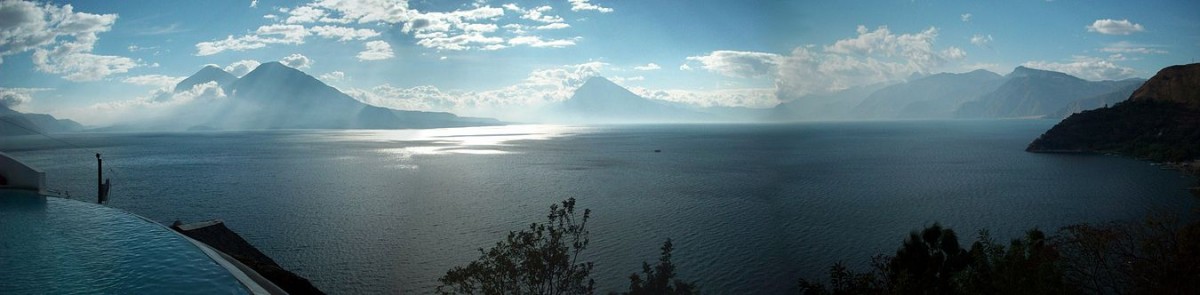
x=751, y=208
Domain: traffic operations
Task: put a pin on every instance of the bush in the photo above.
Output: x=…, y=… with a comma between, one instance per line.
x=661, y=278
x=539, y=260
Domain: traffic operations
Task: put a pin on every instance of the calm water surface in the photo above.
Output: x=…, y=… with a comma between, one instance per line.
x=750, y=207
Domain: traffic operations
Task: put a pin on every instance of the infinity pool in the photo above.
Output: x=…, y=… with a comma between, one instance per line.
x=56, y=246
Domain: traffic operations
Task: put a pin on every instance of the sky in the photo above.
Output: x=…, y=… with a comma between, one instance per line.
x=99, y=61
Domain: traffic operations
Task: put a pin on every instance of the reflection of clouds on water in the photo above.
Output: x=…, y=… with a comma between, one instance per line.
x=489, y=140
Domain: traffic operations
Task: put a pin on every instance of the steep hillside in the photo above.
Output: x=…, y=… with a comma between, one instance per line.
x=1035, y=93
x=934, y=96
x=1095, y=102
x=17, y=123
x=599, y=100
x=1161, y=122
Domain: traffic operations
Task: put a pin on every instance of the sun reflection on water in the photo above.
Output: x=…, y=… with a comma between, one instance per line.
x=490, y=140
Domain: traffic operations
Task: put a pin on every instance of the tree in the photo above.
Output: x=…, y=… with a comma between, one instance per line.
x=542, y=259
x=661, y=278
x=844, y=281
x=927, y=262
x=1160, y=255
x=1028, y=266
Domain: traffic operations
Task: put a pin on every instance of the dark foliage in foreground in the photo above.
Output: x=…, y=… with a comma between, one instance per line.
x=1157, y=256
x=1158, y=131
x=542, y=259
x=660, y=279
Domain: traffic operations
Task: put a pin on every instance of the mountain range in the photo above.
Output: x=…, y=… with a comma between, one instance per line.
x=1159, y=121
x=1036, y=93
x=934, y=96
x=275, y=96
x=1024, y=93
x=599, y=100
x=17, y=123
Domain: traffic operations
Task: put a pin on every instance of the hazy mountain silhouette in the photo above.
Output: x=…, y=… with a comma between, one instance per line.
x=1034, y=93
x=599, y=100
x=833, y=106
x=1095, y=102
x=275, y=96
x=1160, y=121
x=17, y=123
x=207, y=74
x=933, y=96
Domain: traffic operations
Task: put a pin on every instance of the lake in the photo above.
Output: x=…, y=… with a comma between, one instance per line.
x=751, y=208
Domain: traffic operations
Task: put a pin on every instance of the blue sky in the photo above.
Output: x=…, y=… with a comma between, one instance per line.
x=99, y=61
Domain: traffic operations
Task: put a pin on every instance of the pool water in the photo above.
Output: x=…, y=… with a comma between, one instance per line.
x=56, y=246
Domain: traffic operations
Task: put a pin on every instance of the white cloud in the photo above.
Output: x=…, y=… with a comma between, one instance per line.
x=241, y=67
x=264, y=35
x=580, y=5
x=376, y=50
x=368, y=11
x=1114, y=27
x=871, y=57
x=304, y=14
x=647, y=67
x=27, y=26
x=297, y=61
x=1087, y=68
x=78, y=65
x=981, y=40
x=164, y=105
x=685, y=67
x=344, y=33
x=286, y=34
x=535, y=41
x=749, y=97
x=160, y=81
x=462, y=29
x=229, y=43
x=442, y=41
x=540, y=87
x=966, y=17
x=253, y=3
x=538, y=14
x=553, y=26
x=13, y=98
x=1127, y=47
x=993, y=67
x=333, y=76
x=423, y=98
x=743, y=64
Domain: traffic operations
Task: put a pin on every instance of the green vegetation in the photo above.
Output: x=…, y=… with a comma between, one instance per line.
x=661, y=278
x=1157, y=256
x=1153, y=130
x=543, y=259
x=540, y=260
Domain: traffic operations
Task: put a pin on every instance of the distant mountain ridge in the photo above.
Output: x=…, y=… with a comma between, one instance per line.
x=599, y=100
x=1095, y=102
x=13, y=122
x=207, y=74
x=1034, y=93
x=275, y=96
x=933, y=96
x=1023, y=93
x=1160, y=121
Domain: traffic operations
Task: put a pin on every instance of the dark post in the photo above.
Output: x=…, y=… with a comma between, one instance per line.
x=100, y=197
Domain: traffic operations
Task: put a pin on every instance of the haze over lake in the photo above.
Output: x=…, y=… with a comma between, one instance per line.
x=750, y=207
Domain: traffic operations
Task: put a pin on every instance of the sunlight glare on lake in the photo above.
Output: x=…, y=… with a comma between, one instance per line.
x=467, y=140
